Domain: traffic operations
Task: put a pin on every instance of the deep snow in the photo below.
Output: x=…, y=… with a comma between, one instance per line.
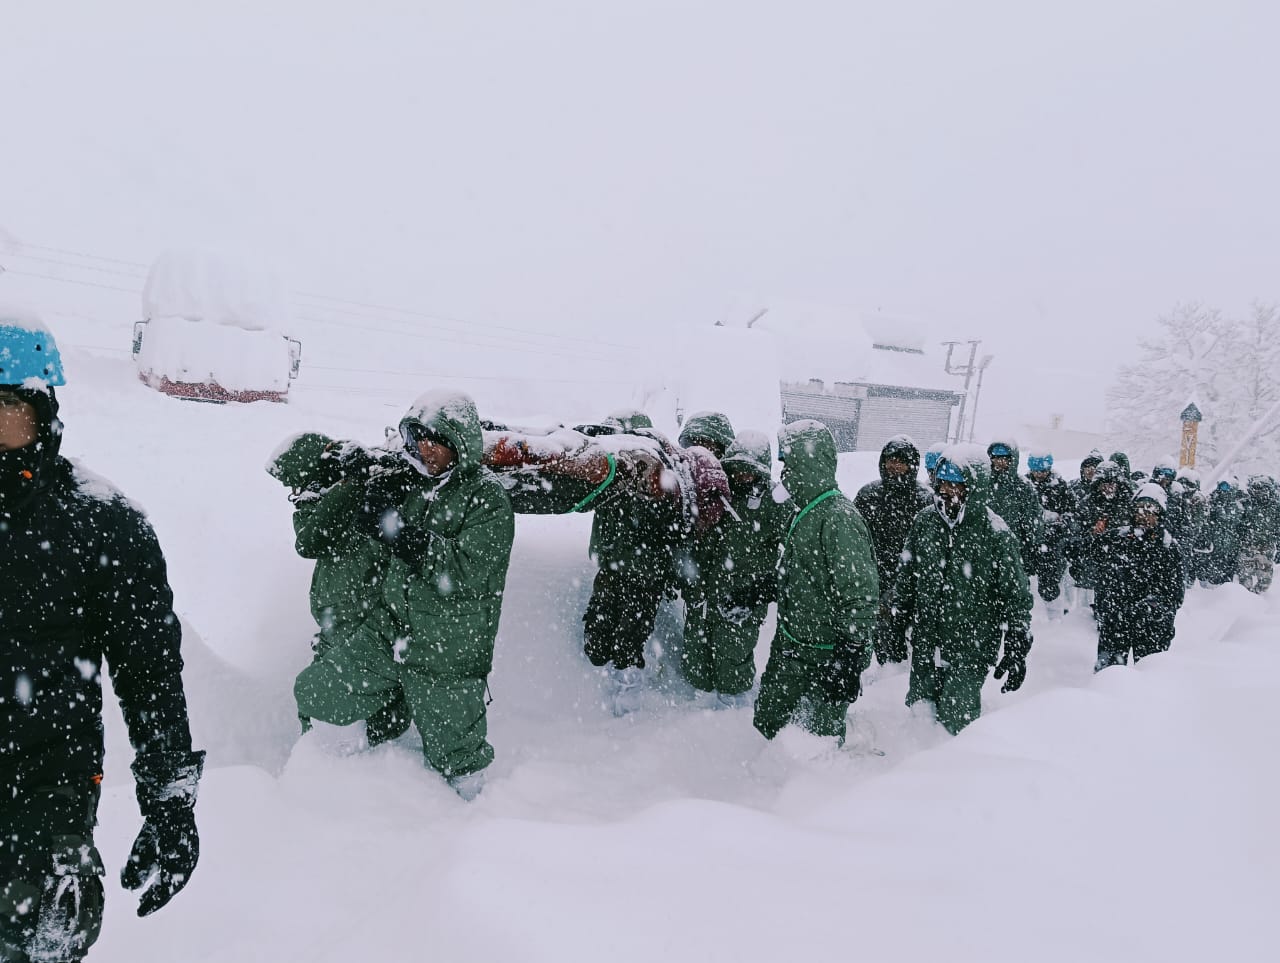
x=1125, y=816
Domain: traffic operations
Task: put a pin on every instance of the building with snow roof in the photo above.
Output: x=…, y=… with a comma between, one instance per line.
x=866, y=377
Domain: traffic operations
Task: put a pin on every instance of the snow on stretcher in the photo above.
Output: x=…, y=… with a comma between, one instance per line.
x=213, y=330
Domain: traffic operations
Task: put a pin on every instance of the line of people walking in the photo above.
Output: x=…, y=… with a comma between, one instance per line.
x=412, y=544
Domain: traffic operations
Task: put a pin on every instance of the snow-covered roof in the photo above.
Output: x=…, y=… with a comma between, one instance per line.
x=21, y=316
x=201, y=286
x=838, y=344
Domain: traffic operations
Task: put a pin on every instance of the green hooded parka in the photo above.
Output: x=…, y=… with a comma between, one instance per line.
x=735, y=565
x=431, y=629
x=960, y=589
x=828, y=591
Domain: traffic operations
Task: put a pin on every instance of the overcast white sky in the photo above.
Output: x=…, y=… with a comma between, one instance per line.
x=1046, y=176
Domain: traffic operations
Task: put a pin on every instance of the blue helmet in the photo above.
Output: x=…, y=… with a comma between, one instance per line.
x=931, y=458
x=1040, y=462
x=29, y=356
x=1000, y=450
x=948, y=471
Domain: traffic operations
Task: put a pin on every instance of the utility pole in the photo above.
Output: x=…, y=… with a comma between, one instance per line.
x=977, y=392
x=968, y=371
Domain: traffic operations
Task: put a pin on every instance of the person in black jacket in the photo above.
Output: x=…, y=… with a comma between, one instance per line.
x=889, y=506
x=1107, y=505
x=82, y=582
x=1139, y=583
x=1059, y=508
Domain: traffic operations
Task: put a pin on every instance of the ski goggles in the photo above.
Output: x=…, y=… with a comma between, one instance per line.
x=1000, y=451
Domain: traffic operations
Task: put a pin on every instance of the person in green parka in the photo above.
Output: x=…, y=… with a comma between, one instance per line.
x=444, y=527
x=828, y=595
x=960, y=589
x=1014, y=499
x=349, y=565
x=735, y=576
x=711, y=430
x=632, y=539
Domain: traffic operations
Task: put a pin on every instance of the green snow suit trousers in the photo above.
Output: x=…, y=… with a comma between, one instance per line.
x=620, y=615
x=954, y=689
x=791, y=691
x=50, y=872
x=360, y=678
x=719, y=650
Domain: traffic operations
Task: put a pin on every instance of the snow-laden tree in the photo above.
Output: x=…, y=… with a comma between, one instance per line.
x=1229, y=368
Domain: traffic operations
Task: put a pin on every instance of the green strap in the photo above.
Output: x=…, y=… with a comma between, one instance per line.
x=613, y=470
x=805, y=511
x=812, y=645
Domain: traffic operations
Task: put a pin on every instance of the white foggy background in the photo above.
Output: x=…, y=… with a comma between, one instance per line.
x=1048, y=178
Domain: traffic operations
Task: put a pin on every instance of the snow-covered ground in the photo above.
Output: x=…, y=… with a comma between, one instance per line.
x=1126, y=816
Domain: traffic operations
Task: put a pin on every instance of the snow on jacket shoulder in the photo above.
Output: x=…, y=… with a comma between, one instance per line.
x=83, y=581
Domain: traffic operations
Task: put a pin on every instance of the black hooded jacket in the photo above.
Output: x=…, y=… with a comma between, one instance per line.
x=83, y=581
x=1139, y=576
x=889, y=506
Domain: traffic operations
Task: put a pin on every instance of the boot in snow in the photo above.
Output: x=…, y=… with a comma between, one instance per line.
x=738, y=700
x=627, y=689
x=468, y=785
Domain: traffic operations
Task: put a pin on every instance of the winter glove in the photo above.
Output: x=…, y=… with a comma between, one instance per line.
x=842, y=679
x=1017, y=643
x=168, y=846
x=410, y=543
x=377, y=516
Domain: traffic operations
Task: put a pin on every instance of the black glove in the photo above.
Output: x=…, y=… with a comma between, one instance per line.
x=1152, y=609
x=166, y=851
x=1017, y=643
x=842, y=679
x=409, y=543
x=378, y=515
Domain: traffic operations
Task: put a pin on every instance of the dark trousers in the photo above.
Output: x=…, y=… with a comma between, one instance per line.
x=1122, y=632
x=50, y=872
x=620, y=616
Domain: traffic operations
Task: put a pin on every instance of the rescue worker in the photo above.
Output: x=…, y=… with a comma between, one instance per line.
x=349, y=566
x=82, y=582
x=1259, y=534
x=1058, y=511
x=1014, y=500
x=961, y=593
x=1140, y=586
x=445, y=527
x=828, y=595
x=889, y=506
x=1221, y=563
x=707, y=429
x=736, y=578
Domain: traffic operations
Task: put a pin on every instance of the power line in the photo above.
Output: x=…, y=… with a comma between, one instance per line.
x=446, y=318
x=437, y=374
x=77, y=267
x=547, y=350
x=81, y=254
x=466, y=329
x=337, y=300
x=88, y=284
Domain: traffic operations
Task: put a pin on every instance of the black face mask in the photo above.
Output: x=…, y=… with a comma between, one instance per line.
x=19, y=476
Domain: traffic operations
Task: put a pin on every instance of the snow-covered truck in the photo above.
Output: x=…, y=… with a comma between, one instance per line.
x=212, y=330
